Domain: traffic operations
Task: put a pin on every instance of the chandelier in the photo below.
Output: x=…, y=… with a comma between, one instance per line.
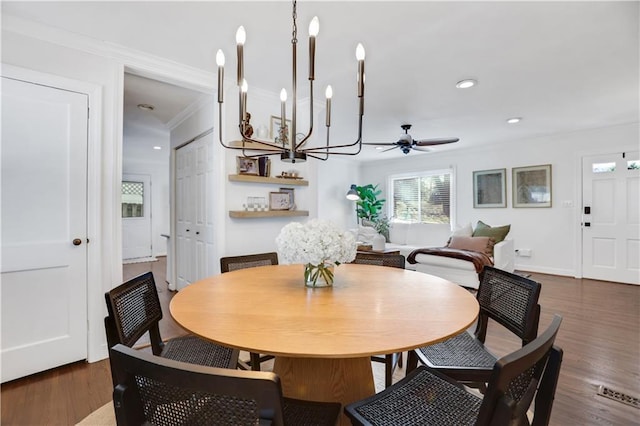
x=293, y=150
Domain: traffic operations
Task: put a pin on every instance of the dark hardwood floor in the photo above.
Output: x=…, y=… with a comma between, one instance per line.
x=600, y=337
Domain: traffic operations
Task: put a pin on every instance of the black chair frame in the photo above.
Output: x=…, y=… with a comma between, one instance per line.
x=506, y=298
x=234, y=263
x=168, y=392
x=426, y=396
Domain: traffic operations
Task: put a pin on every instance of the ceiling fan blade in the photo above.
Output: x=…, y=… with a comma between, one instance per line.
x=389, y=149
x=440, y=141
x=415, y=148
x=378, y=143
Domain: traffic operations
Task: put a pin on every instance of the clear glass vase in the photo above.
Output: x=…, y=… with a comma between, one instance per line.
x=318, y=275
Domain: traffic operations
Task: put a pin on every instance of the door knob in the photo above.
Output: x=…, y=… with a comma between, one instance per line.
x=77, y=241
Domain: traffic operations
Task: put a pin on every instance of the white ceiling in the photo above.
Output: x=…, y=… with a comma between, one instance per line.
x=562, y=66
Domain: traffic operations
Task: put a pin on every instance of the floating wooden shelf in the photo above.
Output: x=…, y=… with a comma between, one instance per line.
x=244, y=214
x=272, y=180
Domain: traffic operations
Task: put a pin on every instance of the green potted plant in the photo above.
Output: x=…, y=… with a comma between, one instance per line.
x=368, y=207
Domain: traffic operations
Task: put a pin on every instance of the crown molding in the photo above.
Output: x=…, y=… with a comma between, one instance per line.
x=135, y=61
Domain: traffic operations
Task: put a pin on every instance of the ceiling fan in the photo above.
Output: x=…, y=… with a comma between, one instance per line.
x=406, y=143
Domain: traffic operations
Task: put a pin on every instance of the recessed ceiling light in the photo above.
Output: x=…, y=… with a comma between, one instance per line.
x=514, y=120
x=157, y=147
x=465, y=84
x=146, y=107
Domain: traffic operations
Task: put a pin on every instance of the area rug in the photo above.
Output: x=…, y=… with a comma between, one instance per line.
x=103, y=416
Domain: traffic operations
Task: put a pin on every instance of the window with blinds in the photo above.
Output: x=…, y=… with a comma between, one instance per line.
x=422, y=198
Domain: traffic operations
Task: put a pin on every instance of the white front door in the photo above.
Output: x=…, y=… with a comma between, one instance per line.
x=44, y=227
x=194, y=211
x=136, y=217
x=611, y=217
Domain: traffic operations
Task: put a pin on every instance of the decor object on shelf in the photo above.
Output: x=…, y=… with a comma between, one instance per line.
x=319, y=245
x=490, y=188
x=531, y=186
x=279, y=200
x=406, y=143
x=264, y=166
x=292, y=200
x=247, y=166
x=290, y=150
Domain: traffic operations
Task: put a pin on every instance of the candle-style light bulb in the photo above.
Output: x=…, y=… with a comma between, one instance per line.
x=220, y=63
x=314, y=27
x=241, y=35
x=328, y=93
x=220, y=58
x=283, y=95
x=360, y=52
x=360, y=57
x=244, y=87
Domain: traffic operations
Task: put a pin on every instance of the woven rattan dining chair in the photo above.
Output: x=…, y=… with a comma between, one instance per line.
x=394, y=261
x=234, y=263
x=159, y=391
x=427, y=397
x=509, y=299
x=134, y=310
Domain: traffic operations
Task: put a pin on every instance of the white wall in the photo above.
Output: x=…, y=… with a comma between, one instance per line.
x=553, y=234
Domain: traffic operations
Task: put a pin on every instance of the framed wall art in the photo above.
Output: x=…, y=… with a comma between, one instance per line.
x=532, y=186
x=247, y=166
x=274, y=128
x=292, y=201
x=279, y=200
x=490, y=188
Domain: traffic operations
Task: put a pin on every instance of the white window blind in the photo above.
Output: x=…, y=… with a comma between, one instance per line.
x=423, y=197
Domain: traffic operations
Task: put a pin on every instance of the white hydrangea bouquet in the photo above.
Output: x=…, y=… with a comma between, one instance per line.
x=319, y=245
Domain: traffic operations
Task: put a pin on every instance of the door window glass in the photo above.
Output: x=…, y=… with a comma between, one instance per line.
x=132, y=199
x=603, y=167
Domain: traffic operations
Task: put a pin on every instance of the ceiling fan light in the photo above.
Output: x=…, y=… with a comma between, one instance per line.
x=467, y=83
x=514, y=120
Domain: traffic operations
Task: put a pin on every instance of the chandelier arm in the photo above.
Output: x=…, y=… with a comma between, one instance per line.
x=327, y=148
x=302, y=142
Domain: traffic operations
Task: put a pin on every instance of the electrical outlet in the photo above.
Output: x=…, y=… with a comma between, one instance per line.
x=523, y=252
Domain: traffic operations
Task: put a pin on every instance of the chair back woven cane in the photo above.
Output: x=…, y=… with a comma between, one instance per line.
x=392, y=260
x=134, y=309
x=159, y=391
x=426, y=396
x=507, y=298
x=511, y=300
x=233, y=263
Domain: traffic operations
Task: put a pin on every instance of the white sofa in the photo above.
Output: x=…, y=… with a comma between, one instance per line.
x=408, y=237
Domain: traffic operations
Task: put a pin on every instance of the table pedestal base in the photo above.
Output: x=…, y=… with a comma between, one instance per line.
x=343, y=380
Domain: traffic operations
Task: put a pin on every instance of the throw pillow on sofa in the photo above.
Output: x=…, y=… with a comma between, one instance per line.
x=498, y=233
x=479, y=244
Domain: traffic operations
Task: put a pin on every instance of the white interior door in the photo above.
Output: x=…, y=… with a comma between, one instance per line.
x=136, y=217
x=194, y=211
x=611, y=217
x=44, y=227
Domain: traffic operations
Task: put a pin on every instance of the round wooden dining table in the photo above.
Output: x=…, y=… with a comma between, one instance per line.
x=323, y=338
